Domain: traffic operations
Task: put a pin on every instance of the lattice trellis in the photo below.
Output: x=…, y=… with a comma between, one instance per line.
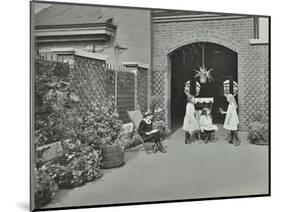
x=125, y=89
x=94, y=80
x=90, y=80
x=159, y=86
x=142, y=89
x=256, y=89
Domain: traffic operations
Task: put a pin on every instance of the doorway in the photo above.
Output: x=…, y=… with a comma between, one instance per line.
x=184, y=61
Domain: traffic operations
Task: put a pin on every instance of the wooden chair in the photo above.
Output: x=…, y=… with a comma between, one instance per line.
x=136, y=117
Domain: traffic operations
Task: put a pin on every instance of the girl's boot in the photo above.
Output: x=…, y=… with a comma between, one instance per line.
x=237, y=140
x=155, y=148
x=231, y=137
x=208, y=137
x=186, y=140
x=161, y=148
x=192, y=137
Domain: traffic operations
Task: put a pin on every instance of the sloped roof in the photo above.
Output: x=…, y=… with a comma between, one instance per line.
x=63, y=14
x=175, y=12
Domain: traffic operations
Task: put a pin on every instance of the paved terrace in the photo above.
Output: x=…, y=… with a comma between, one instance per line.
x=186, y=172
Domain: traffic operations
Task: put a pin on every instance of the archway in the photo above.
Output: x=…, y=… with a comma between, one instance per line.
x=184, y=61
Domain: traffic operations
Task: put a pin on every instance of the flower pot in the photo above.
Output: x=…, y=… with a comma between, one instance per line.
x=203, y=79
x=112, y=156
x=259, y=142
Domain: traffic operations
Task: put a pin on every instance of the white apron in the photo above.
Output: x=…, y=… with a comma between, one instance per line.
x=206, y=123
x=232, y=114
x=190, y=123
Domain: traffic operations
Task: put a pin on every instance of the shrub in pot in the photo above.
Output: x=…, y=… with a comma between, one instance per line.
x=258, y=130
x=102, y=128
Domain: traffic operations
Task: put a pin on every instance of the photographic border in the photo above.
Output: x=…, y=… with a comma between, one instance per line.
x=31, y=124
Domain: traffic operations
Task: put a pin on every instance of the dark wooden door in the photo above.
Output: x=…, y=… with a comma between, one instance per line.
x=183, y=63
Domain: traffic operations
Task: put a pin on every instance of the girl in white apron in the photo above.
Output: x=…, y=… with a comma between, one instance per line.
x=231, y=120
x=190, y=124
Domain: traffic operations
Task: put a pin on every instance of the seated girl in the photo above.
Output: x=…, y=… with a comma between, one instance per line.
x=149, y=135
x=206, y=124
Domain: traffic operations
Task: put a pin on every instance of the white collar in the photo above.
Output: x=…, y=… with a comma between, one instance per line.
x=147, y=121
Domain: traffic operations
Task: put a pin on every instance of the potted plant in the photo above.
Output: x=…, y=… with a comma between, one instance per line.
x=103, y=128
x=258, y=130
x=203, y=74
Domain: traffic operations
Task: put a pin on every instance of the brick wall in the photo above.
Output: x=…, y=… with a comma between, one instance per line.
x=231, y=33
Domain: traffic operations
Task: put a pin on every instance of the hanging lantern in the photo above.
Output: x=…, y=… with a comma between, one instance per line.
x=226, y=87
x=187, y=88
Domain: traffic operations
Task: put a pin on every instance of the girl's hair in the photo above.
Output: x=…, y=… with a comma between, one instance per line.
x=148, y=113
x=204, y=112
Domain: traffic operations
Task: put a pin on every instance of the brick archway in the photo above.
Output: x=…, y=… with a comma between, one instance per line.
x=185, y=38
x=211, y=36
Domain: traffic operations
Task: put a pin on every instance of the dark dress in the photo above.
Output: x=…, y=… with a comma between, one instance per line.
x=143, y=128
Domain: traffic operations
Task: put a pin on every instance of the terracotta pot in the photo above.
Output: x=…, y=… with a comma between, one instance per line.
x=112, y=156
x=203, y=79
x=259, y=142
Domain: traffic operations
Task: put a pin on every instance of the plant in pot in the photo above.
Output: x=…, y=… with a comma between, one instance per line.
x=203, y=74
x=102, y=128
x=258, y=130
